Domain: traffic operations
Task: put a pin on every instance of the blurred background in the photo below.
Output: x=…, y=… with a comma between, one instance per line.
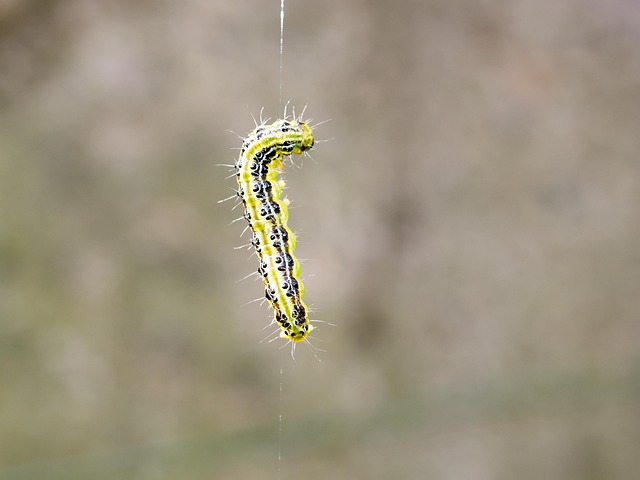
x=470, y=222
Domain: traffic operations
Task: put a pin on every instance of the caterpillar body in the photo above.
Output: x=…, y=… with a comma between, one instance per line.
x=259, y=189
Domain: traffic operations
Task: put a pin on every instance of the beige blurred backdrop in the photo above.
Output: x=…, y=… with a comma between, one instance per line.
x=470, y=224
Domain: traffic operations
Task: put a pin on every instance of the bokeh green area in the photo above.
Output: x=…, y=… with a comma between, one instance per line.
x=469, y=223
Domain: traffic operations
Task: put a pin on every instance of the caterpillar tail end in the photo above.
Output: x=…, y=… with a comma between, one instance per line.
x=298, y=335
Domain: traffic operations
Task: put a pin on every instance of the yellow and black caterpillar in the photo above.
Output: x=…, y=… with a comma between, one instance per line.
x=260, y=190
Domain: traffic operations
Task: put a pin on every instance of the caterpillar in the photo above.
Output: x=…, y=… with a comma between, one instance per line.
x=259, y=189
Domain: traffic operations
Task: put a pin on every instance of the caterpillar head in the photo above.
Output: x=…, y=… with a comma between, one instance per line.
x=307, y=137
x=296, y=136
